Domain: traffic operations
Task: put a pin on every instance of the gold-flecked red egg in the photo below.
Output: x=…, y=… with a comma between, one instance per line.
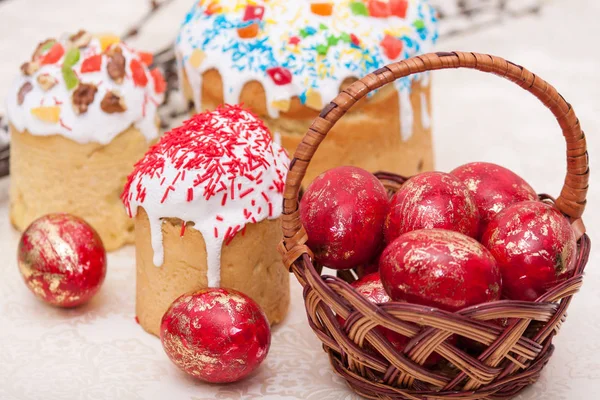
x=62, y=260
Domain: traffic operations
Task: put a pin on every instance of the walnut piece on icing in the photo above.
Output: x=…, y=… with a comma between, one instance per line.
x=83, y=96
x=80, y=39
x=46, y=81
x=116, y=64
x=29, y=68
x=113, y=103
x=42, y=47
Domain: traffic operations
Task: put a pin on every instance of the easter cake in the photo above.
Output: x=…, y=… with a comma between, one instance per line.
x=286, y=60
x=82, y=111
x=206, y=200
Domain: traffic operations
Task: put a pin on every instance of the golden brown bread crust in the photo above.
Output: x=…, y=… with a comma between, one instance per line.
x=368, y=136
x=250, y=264
x=54, y=174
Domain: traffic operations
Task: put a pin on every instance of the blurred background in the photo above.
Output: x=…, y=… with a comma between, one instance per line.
x=475, y=117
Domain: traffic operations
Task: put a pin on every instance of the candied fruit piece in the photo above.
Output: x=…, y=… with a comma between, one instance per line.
x=279, y=75
x=160, y=86
x=359, y=8
x=379, y=9
x=108, y=40
x=72, y=57
x=197, y=58
x=92, y=64
x=50, y=114
x=325, y=9
x=313, y=99
x=147, y=58
x=138, y=74
x=253, y=13
x=70, y=77
x=392, y=47
x=53, y=55
x=248, y=32
x=399, y=8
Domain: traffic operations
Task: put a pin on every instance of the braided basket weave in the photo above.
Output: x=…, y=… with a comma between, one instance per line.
x=512, y=357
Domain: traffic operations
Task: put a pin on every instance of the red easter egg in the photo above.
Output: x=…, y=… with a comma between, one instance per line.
x=535, y=247
x=372, y=289
x=62, y=260
x=367, y=269
x=343, y=211
x=216, y=335
x=439, y=268
x=493, y=188
x=432, y=200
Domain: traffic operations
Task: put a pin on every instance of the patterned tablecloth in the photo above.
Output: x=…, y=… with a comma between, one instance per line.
x=98, y=351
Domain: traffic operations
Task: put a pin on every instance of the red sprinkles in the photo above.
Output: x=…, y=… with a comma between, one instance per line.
x=225, y=153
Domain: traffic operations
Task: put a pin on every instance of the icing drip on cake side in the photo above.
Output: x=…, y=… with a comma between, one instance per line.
x=302, y=49
x=219, y=171
x=71, y=90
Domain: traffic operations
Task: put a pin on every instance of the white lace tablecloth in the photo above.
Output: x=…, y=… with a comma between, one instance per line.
x=98, y=351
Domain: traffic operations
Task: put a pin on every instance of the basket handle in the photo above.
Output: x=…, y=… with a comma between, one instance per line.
x=572, y=198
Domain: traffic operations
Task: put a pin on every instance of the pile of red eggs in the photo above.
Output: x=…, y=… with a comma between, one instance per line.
x=451, y=241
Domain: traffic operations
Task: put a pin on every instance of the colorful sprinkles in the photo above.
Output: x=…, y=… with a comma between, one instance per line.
x=317, y=43
x=219, y=170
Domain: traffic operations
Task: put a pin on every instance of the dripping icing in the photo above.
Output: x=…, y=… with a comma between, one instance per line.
x=160, y=186
x=214, y=40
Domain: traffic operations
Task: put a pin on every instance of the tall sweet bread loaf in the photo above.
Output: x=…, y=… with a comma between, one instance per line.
x=286, y=60
x=82, y=112
x=207, y=203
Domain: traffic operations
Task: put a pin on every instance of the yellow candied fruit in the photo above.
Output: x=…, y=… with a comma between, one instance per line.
x=49, y=114
x=397, y=32
x=107, y=40
x=281, y=105
x=197, y=58
x=313, y=100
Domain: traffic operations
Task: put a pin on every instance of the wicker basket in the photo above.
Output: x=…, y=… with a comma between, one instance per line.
x=512, y=357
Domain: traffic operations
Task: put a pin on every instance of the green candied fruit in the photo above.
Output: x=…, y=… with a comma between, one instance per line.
x=323, y=27
x=70, y=77
x=47, y=45
x=419, y=24
x=332, y=40
x=359, y=8
x=72, y=57
x=322, y=49
x=345, y=37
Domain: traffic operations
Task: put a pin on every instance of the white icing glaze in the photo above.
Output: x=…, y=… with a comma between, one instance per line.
x=167, y=186
x=95, y=125
x=211, y=41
